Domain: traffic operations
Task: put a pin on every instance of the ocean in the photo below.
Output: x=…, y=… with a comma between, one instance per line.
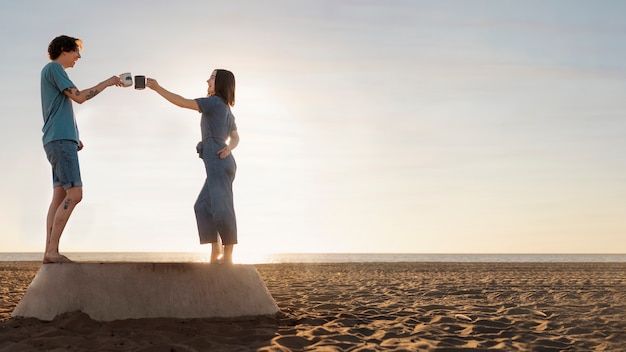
x=326, y=257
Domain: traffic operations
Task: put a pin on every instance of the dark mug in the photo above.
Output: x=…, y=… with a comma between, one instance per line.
x=140, y=82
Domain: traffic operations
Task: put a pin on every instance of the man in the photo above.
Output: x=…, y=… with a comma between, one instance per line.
x=60, y=137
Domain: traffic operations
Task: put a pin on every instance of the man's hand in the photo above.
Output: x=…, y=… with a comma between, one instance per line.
x=114, y=81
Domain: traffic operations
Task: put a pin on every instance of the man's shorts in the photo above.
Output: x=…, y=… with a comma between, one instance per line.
x=63, y=157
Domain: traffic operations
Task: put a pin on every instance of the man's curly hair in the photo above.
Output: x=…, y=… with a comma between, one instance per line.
x=63, y=43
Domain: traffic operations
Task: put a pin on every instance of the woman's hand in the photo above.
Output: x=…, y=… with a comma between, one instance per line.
x=224, y=152
x=152, y=83
x=233, y=141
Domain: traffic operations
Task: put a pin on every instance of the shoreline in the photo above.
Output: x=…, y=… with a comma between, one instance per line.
x=419, y=306
x=283, y=258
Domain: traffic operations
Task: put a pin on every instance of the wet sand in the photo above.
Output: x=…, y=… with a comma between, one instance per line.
x=366, y=307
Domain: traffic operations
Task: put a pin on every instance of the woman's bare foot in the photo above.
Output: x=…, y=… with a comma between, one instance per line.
x=55, y=258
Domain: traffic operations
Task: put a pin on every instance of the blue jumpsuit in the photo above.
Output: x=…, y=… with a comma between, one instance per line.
x=214, y=208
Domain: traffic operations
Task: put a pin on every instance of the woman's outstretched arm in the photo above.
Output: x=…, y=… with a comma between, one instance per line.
x=172, y=97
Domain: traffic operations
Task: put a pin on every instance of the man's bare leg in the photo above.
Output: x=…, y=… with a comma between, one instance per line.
x=57, y=198
x=216, y=252
x=228, y=253
x=57, y=219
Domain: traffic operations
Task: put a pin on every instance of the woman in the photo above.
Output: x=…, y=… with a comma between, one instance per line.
x=215, y=213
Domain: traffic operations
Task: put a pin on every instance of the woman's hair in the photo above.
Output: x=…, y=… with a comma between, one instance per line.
x=225, y=86
x=63, y=43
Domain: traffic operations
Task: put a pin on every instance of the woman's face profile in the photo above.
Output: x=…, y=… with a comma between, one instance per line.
x=211, y=83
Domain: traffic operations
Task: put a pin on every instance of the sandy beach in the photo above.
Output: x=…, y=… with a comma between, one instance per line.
x=367, y=307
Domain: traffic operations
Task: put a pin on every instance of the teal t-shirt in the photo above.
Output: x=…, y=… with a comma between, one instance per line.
x=58, y=115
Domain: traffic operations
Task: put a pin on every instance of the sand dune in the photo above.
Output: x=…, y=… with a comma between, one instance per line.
x=367, y=307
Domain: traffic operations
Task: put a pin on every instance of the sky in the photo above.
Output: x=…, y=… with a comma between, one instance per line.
x=374, y=126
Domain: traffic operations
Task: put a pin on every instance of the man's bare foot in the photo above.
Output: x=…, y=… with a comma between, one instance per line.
x=216, y=259
x=55, y=258
x=227, y=259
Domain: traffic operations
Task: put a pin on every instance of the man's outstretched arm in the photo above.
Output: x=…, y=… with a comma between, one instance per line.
x=81, y=96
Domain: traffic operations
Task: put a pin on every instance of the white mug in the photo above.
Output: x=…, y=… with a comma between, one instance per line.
x=127, y=79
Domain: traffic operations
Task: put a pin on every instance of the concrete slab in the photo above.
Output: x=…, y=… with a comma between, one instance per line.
x=114, y=291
